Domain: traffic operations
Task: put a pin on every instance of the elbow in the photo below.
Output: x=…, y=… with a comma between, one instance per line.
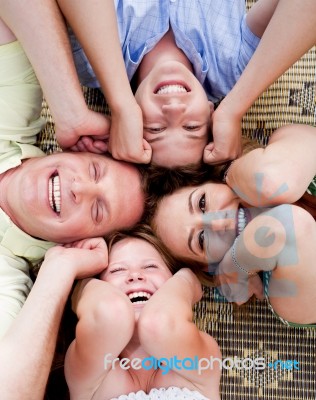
x=275, y=187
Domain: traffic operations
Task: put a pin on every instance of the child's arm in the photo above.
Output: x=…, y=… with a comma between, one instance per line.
x=99, y=332
x=41, y=30
x=279, y=173
x=290, y=33
x=166, y=329
x=95, y=26
x=27, y=350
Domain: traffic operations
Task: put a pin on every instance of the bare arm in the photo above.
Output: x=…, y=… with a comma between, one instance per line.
x=97, y=308
x=281, y=172
x=166, y=328
x=41, y=30
x=274, y=241
x=95, y=26
x=290, y=33
x=26, y=351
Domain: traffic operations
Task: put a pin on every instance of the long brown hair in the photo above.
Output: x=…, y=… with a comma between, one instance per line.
x=163, y=182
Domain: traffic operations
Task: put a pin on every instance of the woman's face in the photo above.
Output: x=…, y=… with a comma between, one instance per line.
x=137, y=269
x=199, y=223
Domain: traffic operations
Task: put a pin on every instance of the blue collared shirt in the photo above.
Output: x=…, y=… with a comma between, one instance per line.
x=212, y=33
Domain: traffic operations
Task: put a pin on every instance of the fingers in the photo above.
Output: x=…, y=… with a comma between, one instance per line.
x=256, y=287
x=226, y=130
x=91, y=123
x=147, y=152
x=240, y=292
x=89, y=244
x=88, y=253
x=90, y=261
x=216, y=155
x=89, y=144
x=100, y=146
x=131, y=153
x=126, y=140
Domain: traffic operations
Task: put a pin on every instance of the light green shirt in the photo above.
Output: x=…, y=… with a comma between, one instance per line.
x=20, y=107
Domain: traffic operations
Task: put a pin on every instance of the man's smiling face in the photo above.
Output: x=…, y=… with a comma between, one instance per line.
x=70, y=196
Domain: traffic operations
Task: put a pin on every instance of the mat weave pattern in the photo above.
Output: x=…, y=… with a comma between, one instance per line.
x=252, y=331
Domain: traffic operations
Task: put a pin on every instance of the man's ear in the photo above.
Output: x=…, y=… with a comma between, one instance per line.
x=210, y=133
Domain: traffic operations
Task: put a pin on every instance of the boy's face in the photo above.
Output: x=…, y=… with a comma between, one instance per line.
x=137, y=269
x=176, y=114
x=65, y=197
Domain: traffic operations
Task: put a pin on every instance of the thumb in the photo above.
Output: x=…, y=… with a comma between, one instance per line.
x=100, y=146
x=147, y=154
x=209, y=154
x=258, y=290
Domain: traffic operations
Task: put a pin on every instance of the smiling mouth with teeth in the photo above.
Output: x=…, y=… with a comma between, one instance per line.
x=54, y=193
x=139, y=297
x=166, y=89
x=241, y=220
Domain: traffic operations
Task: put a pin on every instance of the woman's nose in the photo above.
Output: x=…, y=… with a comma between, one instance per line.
x=219, y=220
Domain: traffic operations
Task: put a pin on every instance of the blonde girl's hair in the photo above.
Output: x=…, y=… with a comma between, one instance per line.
x=144, y=232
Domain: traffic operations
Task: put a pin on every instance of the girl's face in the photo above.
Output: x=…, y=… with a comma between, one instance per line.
x=137, y=269
x=200, y=223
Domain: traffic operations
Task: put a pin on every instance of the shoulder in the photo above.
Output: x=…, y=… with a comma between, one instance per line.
x=293, y=226
x=287, y=217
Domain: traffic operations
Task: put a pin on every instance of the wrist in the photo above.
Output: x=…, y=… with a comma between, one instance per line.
x=232, y=107
x=56, y=283
x=193, y=284
x=123, y=104
x=225, y=170
x=71, y=116
x=236, y=263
